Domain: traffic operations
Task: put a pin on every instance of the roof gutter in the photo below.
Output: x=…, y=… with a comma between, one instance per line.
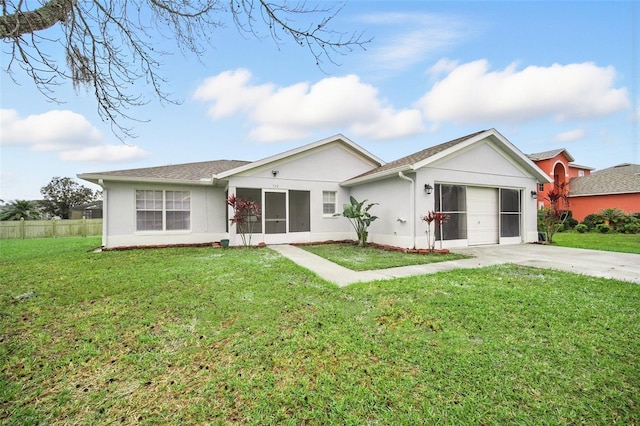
x=100, y=179
x=412, y=205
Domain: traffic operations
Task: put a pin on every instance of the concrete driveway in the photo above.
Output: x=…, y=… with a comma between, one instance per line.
x=621, y=266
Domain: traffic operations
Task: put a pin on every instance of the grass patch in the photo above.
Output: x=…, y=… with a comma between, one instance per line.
x=625, y=243
x=244, y=336
x=370, y=258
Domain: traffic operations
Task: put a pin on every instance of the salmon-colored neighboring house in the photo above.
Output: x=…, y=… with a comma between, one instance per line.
x=614, y=187
x=589, y=191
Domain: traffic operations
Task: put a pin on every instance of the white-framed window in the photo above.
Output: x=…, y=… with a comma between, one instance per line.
x=328, y=203
x=580, y=173
x=163, y=210
x=541, y=187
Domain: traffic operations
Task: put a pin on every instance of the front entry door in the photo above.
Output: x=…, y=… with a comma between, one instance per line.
x=275, y=213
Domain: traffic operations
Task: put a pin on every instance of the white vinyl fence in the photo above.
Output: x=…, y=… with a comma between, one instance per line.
x=21, y=229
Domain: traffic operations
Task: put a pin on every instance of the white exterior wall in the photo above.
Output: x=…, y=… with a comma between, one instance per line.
x=395, y=223
x=401, y=201
x=207, y=216
x=484, y=165
x=317, y=171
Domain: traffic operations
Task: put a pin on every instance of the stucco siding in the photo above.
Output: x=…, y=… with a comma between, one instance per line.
x=394, y=196
x=333, y=163
x=483, y=158
x=585, y=205
x=322, y=227
x=206, y=216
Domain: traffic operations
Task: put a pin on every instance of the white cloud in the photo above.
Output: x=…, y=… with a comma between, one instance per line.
x=412, y=38
x=293, y=112
x=443, y=66
x=473, y=93
x=232, y=92
x=104, y=153
x=570, y=136
x=54, y=130
x=66, y=132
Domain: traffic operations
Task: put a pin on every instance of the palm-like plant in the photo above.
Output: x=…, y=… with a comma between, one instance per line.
x=613, y=217
x=359, y=217
x=21, y=209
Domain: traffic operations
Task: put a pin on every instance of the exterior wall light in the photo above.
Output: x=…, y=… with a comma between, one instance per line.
x=274, y=173
x=428, y=188
x=534, y=194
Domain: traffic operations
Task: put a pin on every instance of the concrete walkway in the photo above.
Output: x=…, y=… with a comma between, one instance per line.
x=621, y=266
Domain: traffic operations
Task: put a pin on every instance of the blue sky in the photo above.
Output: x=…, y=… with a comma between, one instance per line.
x=545, y=74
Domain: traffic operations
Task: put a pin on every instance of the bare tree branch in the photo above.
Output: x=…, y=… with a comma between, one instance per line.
x=110, y=45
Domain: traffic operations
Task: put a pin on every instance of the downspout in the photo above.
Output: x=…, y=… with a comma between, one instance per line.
x=412, y=206
x=105, y=216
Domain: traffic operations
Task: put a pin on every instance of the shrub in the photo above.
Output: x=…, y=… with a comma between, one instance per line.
x=631, y=228
x=614, y=217
x=602, y=228
x=582, y=228
x=571, y=223
x=593, y=220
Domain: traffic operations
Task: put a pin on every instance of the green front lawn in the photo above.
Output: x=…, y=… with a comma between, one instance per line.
x=368, y=258
x=614, y=241
x=244, y=336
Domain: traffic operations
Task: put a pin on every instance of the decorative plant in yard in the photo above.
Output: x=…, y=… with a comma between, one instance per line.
x=437, y=219
x=245, y=215
x=614, y=217
x=360, y=218
x=552, y=218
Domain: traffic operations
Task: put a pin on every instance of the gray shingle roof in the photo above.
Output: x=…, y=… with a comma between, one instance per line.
x=186, y=172
x=539, y=156
x=417, y=156
x=623, y=178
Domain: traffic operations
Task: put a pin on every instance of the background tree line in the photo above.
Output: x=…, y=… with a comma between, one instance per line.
x=59, y=197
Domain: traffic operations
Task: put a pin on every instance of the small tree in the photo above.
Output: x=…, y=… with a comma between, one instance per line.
x=246, y=214
x=438, y=219
x=21, y=209
x=552, y=218
x=359, y=217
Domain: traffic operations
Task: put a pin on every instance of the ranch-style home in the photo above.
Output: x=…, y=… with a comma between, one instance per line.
x=483, y=183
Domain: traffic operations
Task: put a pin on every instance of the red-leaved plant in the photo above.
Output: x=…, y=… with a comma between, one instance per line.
x=552, y=218
x=246, y=214
x=437, y=219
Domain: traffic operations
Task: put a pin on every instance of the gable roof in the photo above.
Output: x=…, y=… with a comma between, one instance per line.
x=335, y=139
x=579, y=166
x=208, y=172
x=434, y=153
x=178, y=173
x=545, y=155
x=620, y=179
x=405, y=163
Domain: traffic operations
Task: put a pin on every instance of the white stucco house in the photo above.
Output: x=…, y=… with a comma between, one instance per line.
x=482, y=181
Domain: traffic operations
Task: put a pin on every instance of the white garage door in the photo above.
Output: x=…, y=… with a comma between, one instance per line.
x=482, y=215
